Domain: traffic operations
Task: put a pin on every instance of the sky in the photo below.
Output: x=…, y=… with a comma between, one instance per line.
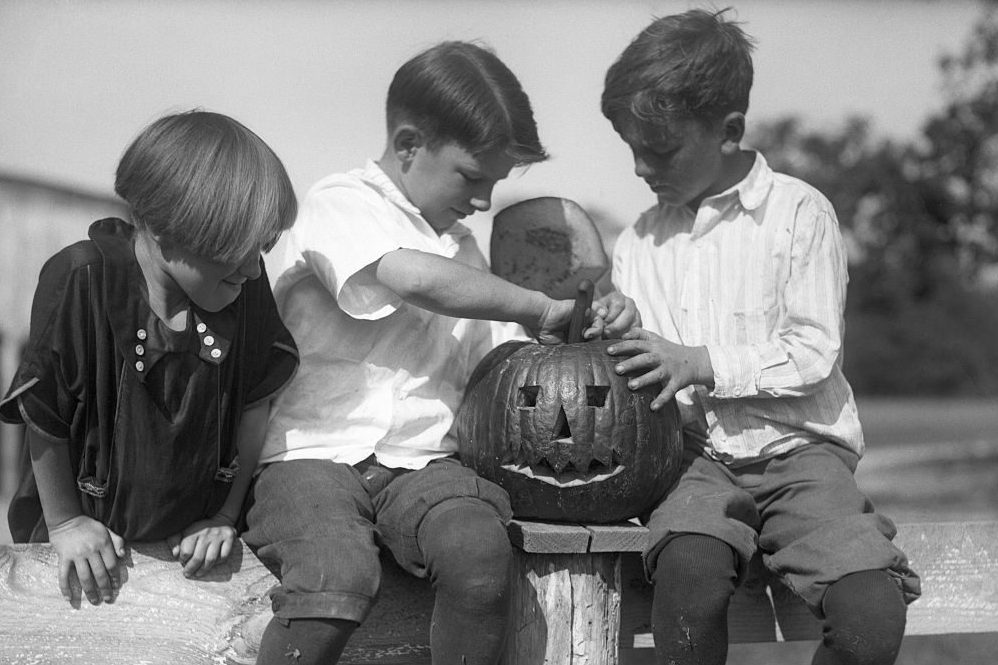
x=79, y=79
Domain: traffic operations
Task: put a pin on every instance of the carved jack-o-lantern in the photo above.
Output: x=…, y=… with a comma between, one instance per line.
x=564, y=435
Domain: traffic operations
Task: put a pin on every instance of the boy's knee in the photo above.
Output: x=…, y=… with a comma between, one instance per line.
x=696, y=559
x=466, y=525
x=467, y=549
x=865, y=617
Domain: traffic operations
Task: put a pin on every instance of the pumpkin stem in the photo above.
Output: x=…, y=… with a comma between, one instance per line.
x=583, y=301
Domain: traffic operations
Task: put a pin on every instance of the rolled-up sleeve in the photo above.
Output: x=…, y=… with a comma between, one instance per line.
x=341, y=232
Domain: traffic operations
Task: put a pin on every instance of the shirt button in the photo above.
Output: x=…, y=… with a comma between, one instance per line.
x=140, y=350
x=208, y=340
x=215, y=353
x=139, y=365
x=738, y=392
x=202, y=327
x=141, y=333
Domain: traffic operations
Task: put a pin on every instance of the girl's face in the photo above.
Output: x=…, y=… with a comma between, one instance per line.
x=175, y=277
x=211, y=285
x=447, y=183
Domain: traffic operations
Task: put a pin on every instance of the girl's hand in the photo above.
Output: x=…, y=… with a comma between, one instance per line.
x=91, y=550
x=203, y=544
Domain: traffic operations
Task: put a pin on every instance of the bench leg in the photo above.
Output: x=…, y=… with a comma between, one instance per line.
x=565, y=609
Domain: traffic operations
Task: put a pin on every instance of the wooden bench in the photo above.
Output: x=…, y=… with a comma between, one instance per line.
x=580, y=598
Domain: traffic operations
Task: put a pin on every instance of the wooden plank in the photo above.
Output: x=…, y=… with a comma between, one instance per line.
x=625, y=537
x=552, y=538
x=564, y=603
x=158, y=616
x=549, y=538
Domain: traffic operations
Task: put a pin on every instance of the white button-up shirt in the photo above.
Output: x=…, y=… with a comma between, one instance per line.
x=377, y=375
x=758, y=276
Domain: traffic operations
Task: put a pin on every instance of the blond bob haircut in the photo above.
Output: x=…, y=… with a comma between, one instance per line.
x=206, y=183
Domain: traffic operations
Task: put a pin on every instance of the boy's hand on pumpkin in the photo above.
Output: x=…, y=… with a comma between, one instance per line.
x=613, y=315
x=203, y=544
x=552, y=328
x=88, y=549
x=654, y=360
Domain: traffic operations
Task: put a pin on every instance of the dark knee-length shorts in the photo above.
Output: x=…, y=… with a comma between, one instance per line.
x=802, y=511
x=321, y=524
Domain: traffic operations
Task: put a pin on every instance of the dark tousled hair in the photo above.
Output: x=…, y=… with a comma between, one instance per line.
x=205, y=182
x=694, y=65
x=461, y=92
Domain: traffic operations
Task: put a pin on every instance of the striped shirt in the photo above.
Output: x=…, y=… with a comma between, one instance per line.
x=758, y=276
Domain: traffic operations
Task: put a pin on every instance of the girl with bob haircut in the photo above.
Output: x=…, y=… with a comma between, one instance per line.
x=154, y=352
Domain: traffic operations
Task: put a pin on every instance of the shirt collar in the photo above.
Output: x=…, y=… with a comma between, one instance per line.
x=141, y=338
x=377, y=177
x=374, y=174
x=754, y=187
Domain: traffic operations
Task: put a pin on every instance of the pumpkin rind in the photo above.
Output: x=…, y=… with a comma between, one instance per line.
x=564, y=435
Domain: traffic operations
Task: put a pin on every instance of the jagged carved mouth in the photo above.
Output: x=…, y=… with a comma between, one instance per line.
x=565, y=475
x=561, y=461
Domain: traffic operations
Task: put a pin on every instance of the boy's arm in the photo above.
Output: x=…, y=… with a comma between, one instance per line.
x=449, y=287
x=807, y=343
x=802, y=353
x=83, y=544
x=206, y=542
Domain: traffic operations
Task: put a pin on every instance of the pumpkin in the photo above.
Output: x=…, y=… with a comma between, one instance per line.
x=560, y=430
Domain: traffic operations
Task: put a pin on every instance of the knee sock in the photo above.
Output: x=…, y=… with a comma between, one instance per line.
x=468, y=556
x=304, y=641
x=864, y=623
x=694, y=578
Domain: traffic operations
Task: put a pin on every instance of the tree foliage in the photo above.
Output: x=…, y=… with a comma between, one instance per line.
x=919, y=220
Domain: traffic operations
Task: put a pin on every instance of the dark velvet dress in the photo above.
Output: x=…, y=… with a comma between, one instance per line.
x=149, y=414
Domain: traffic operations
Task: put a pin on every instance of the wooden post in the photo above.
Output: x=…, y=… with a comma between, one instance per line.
x=566, y=607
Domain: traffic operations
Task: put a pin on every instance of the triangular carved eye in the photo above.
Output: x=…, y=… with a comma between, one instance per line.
x=596, y=395
x=527, y=397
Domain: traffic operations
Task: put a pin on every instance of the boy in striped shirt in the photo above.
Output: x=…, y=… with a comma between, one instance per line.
x=740, y=277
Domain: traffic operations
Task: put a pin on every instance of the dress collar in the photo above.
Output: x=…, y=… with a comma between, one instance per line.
x=140, y=336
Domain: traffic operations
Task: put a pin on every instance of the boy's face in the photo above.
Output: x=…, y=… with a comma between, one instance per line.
x=447, y=183
x=681, y=159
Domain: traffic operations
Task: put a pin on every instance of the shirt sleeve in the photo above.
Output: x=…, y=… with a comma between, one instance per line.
x=270, y=355
x=341, y=231
x=47, y=388
x=808, y=336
